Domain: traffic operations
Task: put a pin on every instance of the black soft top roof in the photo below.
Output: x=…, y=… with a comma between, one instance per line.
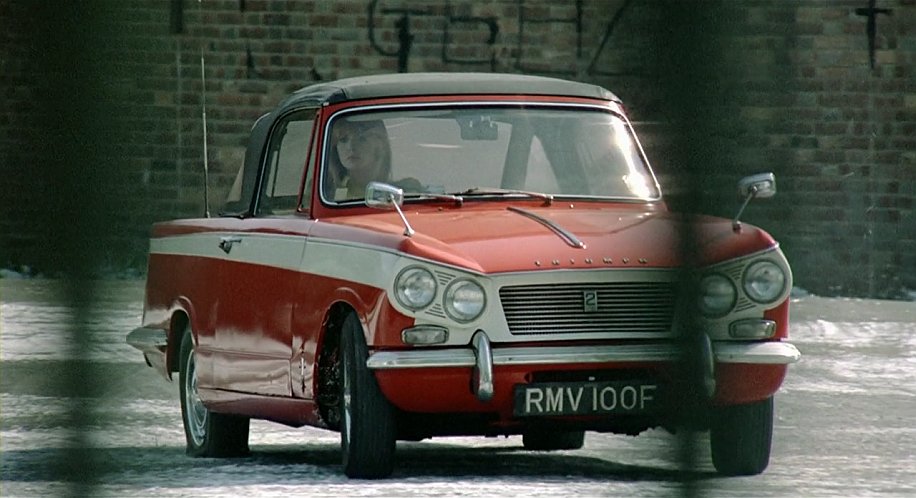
x=431, y=84
x=400, y=85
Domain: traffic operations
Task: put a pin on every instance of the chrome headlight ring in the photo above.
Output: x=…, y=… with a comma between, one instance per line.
x=415, y=287
x=464, y=300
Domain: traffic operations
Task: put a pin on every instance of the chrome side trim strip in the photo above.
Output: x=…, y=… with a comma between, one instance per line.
x=148, y=340
x=767, y=353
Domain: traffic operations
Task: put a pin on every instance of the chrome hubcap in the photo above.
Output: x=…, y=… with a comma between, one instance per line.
x=196, y=412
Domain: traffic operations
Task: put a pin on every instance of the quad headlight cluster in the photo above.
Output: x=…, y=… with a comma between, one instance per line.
x=463, y=299
x=762, y=281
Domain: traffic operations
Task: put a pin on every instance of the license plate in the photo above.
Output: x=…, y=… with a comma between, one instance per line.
x=585, y=398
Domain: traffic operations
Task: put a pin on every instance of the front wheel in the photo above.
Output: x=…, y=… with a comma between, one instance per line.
x=207, y=434
x=367, y=419
x=740, y=438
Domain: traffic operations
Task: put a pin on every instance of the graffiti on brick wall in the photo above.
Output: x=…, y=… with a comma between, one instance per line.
x=531, y=36
x=485, y=50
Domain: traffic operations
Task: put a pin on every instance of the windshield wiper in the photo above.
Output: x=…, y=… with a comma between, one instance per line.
x=548, y=198
x=457, y=199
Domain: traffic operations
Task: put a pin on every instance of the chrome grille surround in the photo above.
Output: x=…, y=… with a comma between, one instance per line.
x=629, y=307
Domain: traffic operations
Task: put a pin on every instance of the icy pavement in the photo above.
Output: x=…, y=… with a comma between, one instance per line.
x=844, y=422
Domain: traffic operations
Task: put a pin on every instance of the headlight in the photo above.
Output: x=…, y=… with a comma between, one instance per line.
x=717, y=295
x=415, y=287
x=464, y=300
x=764, y=281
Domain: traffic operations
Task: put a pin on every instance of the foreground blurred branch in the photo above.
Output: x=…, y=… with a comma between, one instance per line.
x=73, y=160
x=693, y=81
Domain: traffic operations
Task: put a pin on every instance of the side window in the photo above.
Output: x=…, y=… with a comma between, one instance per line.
x=310, y=175
x=286, y=160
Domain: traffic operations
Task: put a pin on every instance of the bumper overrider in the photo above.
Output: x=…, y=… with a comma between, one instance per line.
x=482, y=358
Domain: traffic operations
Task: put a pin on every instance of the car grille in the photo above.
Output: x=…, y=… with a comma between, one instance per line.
x=620, y=307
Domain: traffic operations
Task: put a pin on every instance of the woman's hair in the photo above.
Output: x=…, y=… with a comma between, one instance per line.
x=337, y=173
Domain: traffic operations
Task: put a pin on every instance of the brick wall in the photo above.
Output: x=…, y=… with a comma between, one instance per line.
x=795, y=90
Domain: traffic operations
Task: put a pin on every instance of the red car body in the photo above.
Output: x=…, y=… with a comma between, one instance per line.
x=358, y=315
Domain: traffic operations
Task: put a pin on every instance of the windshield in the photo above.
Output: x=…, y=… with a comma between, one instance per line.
x=569, y=151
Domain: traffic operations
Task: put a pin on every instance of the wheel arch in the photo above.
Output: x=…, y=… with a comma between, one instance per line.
x=326, y=369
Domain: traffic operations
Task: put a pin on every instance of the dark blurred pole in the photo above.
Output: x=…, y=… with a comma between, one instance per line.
x=78, y=59
x=691, y=73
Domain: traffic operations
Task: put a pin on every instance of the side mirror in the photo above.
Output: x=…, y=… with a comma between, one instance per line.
x=383, y=196
x=762, y=185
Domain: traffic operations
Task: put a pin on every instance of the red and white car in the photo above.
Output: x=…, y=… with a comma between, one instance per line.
x=512, y=269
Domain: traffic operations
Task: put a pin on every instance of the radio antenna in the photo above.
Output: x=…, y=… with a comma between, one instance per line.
x=203, y=109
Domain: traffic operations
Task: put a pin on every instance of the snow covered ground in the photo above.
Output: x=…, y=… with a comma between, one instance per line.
x=844, y=422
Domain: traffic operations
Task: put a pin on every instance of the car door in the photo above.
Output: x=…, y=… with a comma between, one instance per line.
x=260, y=273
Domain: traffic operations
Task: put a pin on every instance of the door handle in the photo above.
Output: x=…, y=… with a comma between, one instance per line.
x=226, y=243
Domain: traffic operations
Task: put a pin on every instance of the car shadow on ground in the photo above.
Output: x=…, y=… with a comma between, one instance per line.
x=291, y=463
x=442, y=460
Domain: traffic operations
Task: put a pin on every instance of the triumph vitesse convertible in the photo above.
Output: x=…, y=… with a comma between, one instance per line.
x=419, y=255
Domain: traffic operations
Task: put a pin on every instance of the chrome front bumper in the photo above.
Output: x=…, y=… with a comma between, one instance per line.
x=482, y=358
